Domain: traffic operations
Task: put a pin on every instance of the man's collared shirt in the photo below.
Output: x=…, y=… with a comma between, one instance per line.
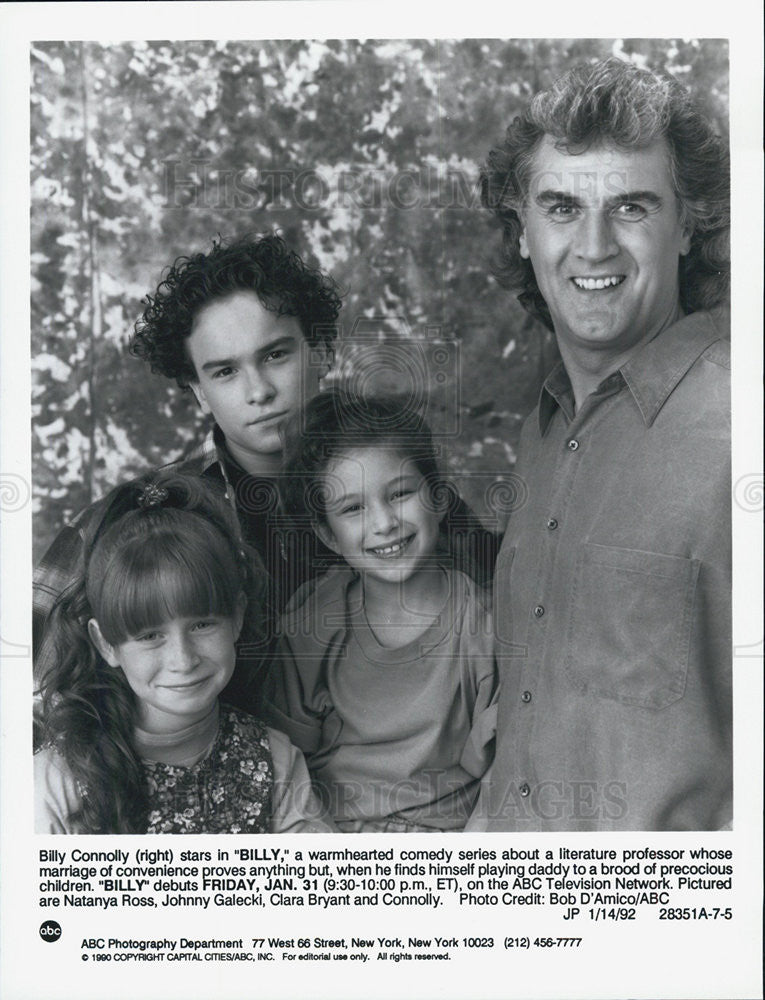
x=612, y=601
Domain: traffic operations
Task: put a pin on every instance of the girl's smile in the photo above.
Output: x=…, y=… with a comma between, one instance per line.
x=379, y=513
x=176, y=670
x=191, y=685
x=393, y=550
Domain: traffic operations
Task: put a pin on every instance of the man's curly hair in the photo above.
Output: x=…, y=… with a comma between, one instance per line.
x=617, y=102
x=264, y=265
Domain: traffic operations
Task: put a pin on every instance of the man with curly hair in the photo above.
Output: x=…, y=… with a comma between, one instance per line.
x=612, y=589
x=248, y=327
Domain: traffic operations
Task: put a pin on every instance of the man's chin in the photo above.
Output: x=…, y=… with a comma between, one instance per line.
x=597, y=329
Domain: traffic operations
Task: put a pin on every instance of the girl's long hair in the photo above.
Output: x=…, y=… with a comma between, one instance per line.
x=337, y=421
x=164, y=546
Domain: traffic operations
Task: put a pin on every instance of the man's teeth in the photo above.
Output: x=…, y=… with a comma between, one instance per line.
x=390, y=550
x=592, y=284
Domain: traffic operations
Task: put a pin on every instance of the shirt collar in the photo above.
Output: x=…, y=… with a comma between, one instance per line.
x=218, y=451
x=556, y=392
x=652, y=373
x=208, y=459
x=206, y=455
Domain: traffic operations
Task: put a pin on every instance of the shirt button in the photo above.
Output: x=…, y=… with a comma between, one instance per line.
x=538, y=611
x=552, y=524
x=526, y=697
x=525, y=790
x=573, y=444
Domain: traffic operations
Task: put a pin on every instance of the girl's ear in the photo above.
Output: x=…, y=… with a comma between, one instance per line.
x=325, y=534
x=241, y=605
x=104, y=648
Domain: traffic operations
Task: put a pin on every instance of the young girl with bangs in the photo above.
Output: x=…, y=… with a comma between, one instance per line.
x=134, y=735
x=387, y=679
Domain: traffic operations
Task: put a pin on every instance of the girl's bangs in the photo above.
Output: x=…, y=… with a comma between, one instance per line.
x=143, y=589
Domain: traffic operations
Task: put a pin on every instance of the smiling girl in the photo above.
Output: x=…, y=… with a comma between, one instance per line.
x=388, y=677
x=134, y=739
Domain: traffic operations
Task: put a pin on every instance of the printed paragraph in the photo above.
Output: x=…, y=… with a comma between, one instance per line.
x=591, y=883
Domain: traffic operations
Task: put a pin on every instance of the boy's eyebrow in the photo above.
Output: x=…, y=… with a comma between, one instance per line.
x=261, y=352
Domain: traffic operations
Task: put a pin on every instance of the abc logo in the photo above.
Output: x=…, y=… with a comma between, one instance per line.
x=50, y=930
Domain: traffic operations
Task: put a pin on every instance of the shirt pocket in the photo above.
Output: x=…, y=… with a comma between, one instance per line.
x=629, y=631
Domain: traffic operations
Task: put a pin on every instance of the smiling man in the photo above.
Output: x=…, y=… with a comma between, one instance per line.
x=612, y=591
x=248, y=327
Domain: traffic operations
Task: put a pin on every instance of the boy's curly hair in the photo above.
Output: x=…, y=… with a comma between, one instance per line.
x=264, y=265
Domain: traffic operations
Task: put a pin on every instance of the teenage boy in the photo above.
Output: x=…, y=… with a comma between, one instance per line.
x=249, y=328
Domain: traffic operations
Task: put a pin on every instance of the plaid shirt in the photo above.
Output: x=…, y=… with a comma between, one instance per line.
x=291, y=553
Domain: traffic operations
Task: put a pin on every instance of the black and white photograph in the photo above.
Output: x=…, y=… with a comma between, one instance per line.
x=383, y=476
x=315, y=315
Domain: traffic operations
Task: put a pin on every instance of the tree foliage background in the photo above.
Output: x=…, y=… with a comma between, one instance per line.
x=363, y=154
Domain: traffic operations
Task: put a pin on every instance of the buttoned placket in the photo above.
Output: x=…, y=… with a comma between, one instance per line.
x=550, y=532
x=230, y=494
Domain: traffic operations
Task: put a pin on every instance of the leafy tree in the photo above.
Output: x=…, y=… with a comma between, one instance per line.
x=364, y=154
